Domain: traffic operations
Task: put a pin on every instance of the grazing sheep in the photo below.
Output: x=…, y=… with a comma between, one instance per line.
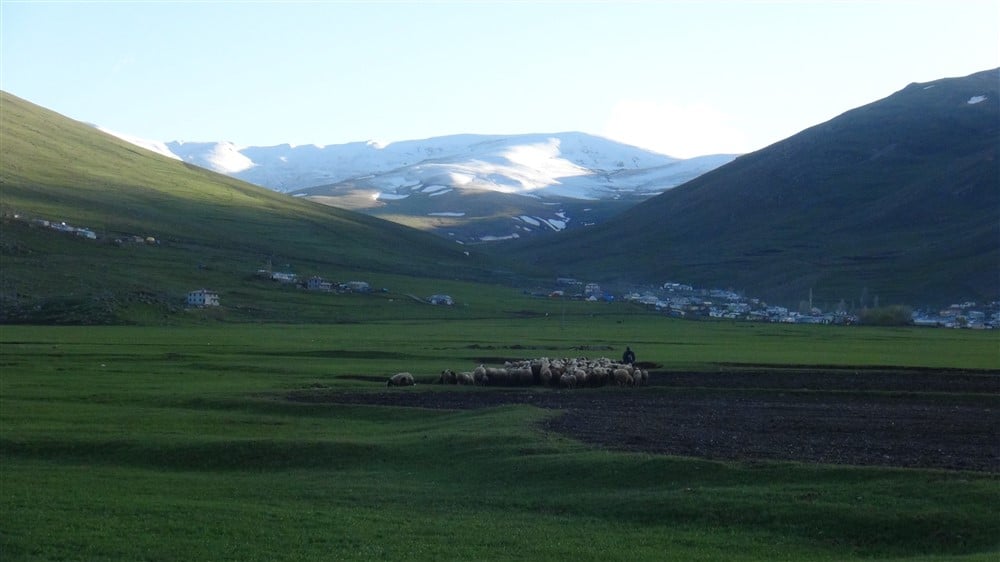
x=498, y=376
x=598, y=376
x=545, y=375
x=567, y=381
x=552, y=372
x=536, y=369
x=400, y=379
x=622, y=377
x=521, y=376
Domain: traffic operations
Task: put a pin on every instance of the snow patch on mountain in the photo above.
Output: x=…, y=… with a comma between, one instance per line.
x=223, y=157
x=976, y=99
x=153, y=146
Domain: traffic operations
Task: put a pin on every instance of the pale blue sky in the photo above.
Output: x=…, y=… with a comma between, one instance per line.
x=684, y=78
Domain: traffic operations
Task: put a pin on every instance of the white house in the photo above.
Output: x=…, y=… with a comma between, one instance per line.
x=358, y=286
x=442, y=299
x=282, y=277
x=319, y=284
x=203, y=297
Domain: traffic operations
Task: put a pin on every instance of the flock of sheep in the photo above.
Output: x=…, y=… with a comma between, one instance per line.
x=562, y=373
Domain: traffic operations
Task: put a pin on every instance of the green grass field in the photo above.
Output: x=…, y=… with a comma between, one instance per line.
x=128, y=443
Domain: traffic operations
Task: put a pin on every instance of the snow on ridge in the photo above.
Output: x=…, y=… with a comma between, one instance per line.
x=390, y=196
x=571, y=164
x=976, y=99
x=158, y=147
x=556, y=225
x=490, y=238
x=447, y=214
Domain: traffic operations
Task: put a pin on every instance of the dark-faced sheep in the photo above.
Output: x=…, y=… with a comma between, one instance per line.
x=598, y=376
x=567, y=381
x=400, y=379
x=448, y=377
x=545, y=375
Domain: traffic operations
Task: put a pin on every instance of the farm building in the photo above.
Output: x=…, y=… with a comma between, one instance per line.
x=319, y=284
x=358, y=286
x=203, y=297
x=441, y=299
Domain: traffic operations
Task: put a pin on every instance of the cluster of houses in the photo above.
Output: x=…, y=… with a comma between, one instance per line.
x=63, y=227
x=83, y=232
x=684, y=301
x=315, y=283
x=965, y=315
x=681, y=300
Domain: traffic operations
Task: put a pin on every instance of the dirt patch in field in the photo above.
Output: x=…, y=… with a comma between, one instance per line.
x=902, y=418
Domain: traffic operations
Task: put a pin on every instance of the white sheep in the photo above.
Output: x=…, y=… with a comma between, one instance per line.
x=622, y=377
x=400, y=379
x=498, y=376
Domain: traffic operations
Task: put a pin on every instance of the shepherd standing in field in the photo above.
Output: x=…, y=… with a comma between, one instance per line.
x=629, y=356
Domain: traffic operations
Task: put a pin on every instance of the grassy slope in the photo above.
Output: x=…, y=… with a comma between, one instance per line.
x=214, y=230
x=899, y=197
x=165, y=444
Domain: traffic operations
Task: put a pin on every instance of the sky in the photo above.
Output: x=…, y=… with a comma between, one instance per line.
x=684, y=78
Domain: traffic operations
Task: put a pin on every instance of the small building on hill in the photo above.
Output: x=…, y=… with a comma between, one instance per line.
x=319, y=284
x=358, y=286
x=441, y=299
x=203, y=297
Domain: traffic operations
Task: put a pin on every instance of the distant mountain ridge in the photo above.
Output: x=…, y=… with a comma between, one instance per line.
x=566, y=164
x=897, y=199
x=470, y=188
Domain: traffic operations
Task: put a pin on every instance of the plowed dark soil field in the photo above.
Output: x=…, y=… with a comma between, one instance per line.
x=902, y=418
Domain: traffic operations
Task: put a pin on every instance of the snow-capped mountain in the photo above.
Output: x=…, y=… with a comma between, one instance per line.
x=456, y=184
x=562, y=164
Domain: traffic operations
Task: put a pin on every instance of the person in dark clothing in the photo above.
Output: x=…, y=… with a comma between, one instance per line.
x=629, y=356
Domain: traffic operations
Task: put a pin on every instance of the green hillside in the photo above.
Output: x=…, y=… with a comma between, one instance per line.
x=209, y=230
x=898, y=199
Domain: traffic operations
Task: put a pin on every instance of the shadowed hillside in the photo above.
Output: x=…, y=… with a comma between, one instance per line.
x=899, y=198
